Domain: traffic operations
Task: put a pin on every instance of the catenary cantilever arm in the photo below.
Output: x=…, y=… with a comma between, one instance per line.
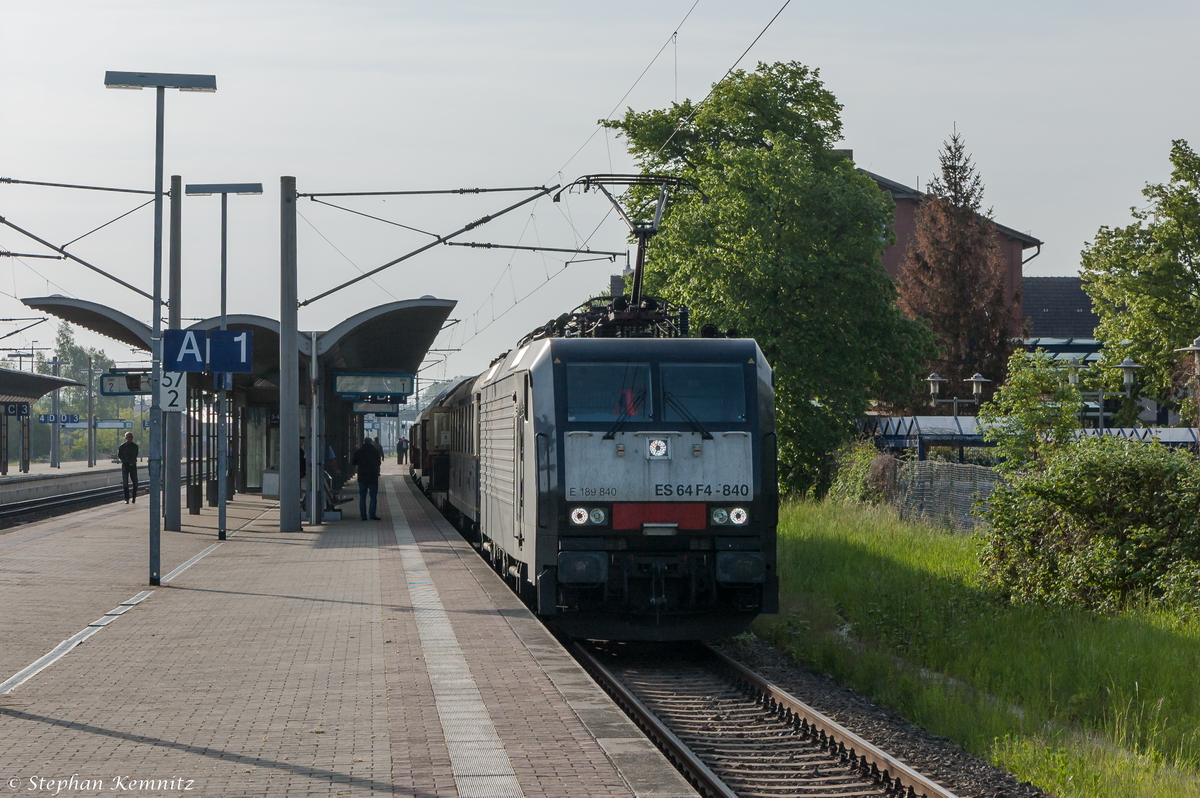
x=441, y=239
x=80, y=261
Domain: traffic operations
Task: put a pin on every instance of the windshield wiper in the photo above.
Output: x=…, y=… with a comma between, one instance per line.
x=669, y=399
x=629, y=410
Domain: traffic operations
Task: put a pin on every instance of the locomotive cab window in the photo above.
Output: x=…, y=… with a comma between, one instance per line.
x=704, y=392
x=608, y=392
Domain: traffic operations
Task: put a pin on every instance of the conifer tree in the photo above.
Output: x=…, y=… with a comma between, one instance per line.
x=953, y=275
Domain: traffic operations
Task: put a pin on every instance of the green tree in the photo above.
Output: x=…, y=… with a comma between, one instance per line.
x=1035, y=412
x=74, y=400
x=787, y=250
x=1144, y=281
x=953, y=275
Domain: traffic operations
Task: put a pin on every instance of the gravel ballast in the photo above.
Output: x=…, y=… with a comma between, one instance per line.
x=935, y=757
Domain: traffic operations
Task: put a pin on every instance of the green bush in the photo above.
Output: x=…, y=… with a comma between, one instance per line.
x=1104, y=520
x=851, y=471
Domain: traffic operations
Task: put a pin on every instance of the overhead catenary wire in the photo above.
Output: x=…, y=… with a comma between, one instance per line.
x=468, y=227
x=106, y=224
x=418, y=192
x=23, y=329
x=15, y=181
x=506, y=311
x=574, y=251
x=343, y=254
x=79, y=260
x=628, y=91
x=724, y=77
x=581, y=245
x=670, y=39
x=376, y=218
x=20, y=259
x=6, y=254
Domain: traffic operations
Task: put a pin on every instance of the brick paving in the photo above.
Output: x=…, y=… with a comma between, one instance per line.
x=279, y=664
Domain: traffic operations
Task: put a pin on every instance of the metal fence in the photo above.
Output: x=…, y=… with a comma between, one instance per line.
x=942, y=493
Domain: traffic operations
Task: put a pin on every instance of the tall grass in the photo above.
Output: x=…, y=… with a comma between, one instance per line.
x=900, y=612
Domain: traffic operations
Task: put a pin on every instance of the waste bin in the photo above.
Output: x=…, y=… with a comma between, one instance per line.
x=270, y=483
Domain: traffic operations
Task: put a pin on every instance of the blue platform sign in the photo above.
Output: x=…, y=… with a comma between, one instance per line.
x=62, y=418
x=208, y=350
x=230, y=350
x=16, y=408
x=184, y=350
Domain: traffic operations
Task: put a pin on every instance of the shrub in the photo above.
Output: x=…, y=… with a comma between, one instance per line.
x=1103, y=520
x=852, y=472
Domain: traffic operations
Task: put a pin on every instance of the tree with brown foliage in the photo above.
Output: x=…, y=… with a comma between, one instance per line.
x=953, y=276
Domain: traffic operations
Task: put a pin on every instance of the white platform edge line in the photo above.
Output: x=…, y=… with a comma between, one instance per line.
x=192, y=562
x=57, y=653
x=61, y=650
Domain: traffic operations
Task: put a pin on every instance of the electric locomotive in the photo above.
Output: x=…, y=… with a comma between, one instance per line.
x=620, y=473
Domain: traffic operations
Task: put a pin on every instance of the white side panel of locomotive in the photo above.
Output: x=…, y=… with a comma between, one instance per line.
x=497, y=460
x=633, y=467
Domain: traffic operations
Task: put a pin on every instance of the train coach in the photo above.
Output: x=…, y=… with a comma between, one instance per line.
x=625, y=486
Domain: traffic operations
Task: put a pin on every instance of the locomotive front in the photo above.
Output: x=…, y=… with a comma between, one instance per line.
x=666, y=493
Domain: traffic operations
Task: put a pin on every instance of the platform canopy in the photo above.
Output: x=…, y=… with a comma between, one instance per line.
x=109, y=322
x=388, y=339
x=24, y=386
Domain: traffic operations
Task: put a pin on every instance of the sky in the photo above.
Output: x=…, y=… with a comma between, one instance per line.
x=1067, y=109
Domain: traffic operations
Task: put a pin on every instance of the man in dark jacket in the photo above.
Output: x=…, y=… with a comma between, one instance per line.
x=368, y=461
x=128, y=455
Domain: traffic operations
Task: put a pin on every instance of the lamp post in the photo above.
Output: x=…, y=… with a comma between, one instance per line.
x=1128, y=369
x=935, y=389
x=160, y=82
x=206, y=190
x=1195, y=350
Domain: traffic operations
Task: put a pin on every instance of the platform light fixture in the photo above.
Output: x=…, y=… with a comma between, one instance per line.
x=935, y=391
x=161, y=81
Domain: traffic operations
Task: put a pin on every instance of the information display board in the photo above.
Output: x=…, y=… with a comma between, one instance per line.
x=349, y=386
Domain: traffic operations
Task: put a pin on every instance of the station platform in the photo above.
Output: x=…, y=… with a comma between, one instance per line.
x=43, y=481
x=354, y=658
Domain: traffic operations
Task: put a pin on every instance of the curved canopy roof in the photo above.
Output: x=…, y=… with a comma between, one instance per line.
x=388, y=339
x=265, y=355
x=96, y=317
x=23, y=386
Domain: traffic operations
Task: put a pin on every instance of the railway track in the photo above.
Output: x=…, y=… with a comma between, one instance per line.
x=736, y=735
x=63, y=502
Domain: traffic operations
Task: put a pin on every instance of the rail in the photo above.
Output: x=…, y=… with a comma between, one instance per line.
x=61, y=500
x=733, y=733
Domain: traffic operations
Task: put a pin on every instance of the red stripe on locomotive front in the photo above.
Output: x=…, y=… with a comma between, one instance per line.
x=631, y=515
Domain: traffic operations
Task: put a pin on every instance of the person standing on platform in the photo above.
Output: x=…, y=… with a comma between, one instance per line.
x=402, y=451
x=128, y=455
x=368, y=461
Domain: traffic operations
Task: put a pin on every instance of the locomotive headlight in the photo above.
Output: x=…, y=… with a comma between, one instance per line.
x=597, y=516
x=720, y=516
x=739, y=516
x=579, y=516
x=656, y=448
